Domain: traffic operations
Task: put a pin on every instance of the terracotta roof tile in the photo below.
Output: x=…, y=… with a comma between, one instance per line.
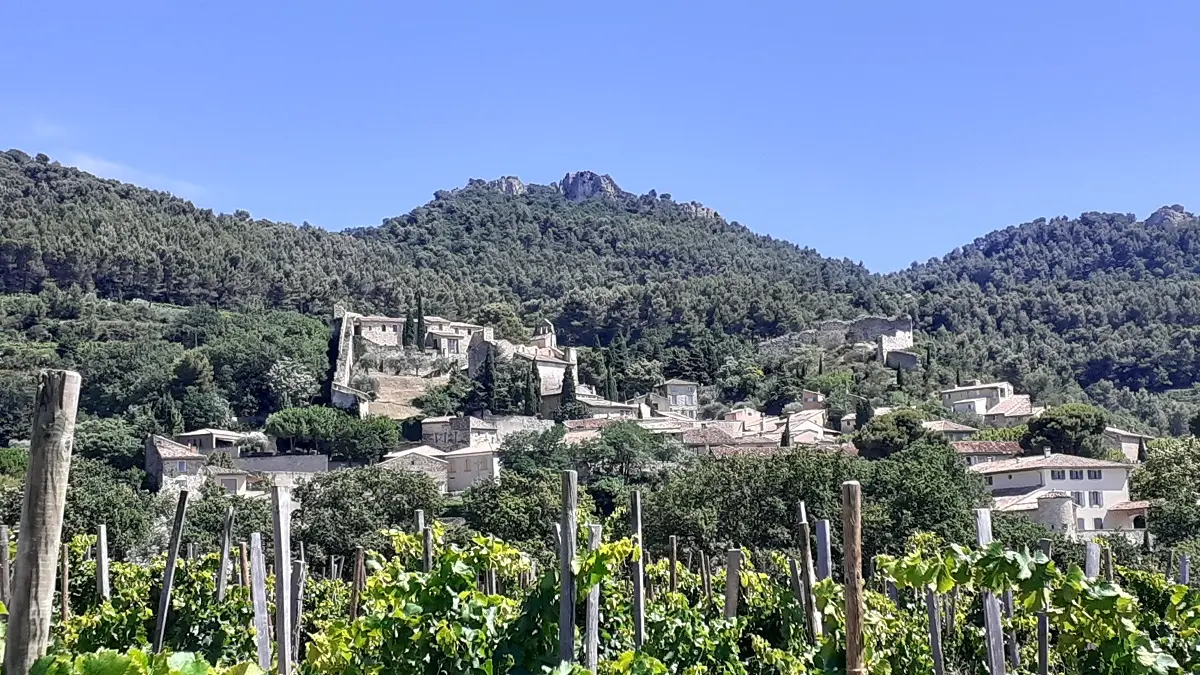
x=1053, y=461
x=987, y=447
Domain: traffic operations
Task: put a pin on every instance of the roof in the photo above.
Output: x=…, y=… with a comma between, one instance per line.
x=425, y=450
x=1053, y=461
x=590, y=423
x=573, y=437
x=435, y=420
x=1121, y=432
x=223, y=471
x=676, y=380
x=987, y=447
x=401, y=461
x=1137, y=505
x=706, y=436
x=169, y=449
x=214, y=432
x=968, y=387
x=284, y=463
x=1015, y=405
x=724, y=451
x=946, y=425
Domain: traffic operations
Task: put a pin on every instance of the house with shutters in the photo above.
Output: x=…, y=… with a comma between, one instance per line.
x=1079, y=496
x=168, y=462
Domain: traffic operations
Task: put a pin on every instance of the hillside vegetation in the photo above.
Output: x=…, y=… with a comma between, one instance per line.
x=1100, y=307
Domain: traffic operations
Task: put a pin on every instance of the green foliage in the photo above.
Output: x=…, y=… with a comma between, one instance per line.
x=334, y=432
x=505, y=320
x=1013, y=433
x=890, y=433
x=516, y=508
x=113, y=441
x=1072, y=429
x=343, y=509
x=1167, y=478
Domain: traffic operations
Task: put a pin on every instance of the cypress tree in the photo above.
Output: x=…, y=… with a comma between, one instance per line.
x=821, y=364
x=408, y=338
x=569, y=407
x=419, y=343
x=533, y=391
x=785, y=440
x=899, y=377
x=610, y=382
x=487, y=380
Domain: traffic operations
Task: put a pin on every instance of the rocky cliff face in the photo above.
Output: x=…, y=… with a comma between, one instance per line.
x=509, y=185
x=698, y=210
x=580, y=185
x=1168, y=215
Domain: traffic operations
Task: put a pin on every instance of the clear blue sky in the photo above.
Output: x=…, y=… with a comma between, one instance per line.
x=879, y=131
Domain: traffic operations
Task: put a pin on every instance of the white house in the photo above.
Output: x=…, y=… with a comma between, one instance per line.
x=995, y=402
x=976, y=452
x=468, y=466
x=1066, y=492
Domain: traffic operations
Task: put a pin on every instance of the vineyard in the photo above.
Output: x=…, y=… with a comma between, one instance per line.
x=431, y=605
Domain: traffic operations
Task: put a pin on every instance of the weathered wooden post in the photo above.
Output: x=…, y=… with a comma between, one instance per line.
x=807, y=577
x=566, y=573
x=419, y=517
x=102, y=585
x=258, y=597
x=674, y=564
x=639, y=570
x=299, y=573
x=5, y=573
x=64, y=591
x=1106, y=562
x=31, y=593
x=705, y=575
x=852, y=542
x=1043, y=623
x=592, y=616
x=935, y=632
x=244, y=551
x=733, y=581
x=357, y=584
x=1185, y=569
x=226, y=544
x=427, y=549
x=823, y=551
x=164, y=598
x=281, y=501
x=1091, y=562
x=991, y=606
x=1014, y=649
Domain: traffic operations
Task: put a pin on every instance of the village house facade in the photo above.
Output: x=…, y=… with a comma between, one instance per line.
x=682, y=397
x=171, y=462
x=1131, y=445
x=1076, y=495
x=423, y=459
x=995, y=402
x=953, y=431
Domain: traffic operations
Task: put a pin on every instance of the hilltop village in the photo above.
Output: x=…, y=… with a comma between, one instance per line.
x=386, y=366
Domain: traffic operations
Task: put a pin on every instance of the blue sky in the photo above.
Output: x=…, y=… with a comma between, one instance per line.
x=884, y=132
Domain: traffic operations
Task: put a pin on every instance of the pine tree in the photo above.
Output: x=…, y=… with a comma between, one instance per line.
x=533, y=391
x=409, y=337
x=821, y=364
x=421, y=330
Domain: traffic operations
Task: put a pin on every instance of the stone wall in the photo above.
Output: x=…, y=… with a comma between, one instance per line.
x=897, y=332
x=901, y=359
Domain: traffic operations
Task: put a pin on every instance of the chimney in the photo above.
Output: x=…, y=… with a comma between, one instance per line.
x=1046, y=451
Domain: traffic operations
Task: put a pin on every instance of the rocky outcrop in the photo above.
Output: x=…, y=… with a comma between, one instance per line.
x=580, y=185
x=509, y=185
x=698, y=210
x=1168, y=215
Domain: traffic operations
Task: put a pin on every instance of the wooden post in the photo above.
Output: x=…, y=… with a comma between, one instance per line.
x=281, y=500
x=991, y=606
x=807, y=580
x=191, y=551
x=1185, y=569
x=705, y=575
x=824, y=569
x=356, y=586
x=419, y=516
x=591, y=649
x=245, y=556
x=852, y=542
x=1014, y=649
x=639, y=570
x=1091, y=562
x=427, y=549
x=566, y=578
x=935, y=632
x=226, y=543
x=64, y=591
x=164, y=598
x=733, y=581
x=258, y=597
x=5, y=573
x=794, y=581
x=102, y=585
x=674, y=564
x=32, y=588
x=299, y=574
x=1043, y=624
x=1106, y=562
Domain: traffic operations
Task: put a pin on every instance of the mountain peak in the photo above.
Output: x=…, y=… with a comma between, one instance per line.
x=580, y=185
x=1168, y=215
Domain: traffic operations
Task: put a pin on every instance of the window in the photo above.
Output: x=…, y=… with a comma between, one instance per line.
x=1095, y=498
x=1097, y=523
x=182, y=466
x=1076, y=475
x=1057, y=474
x=230, y=485
x=989, y=480
x=1077, y=497
x=1079, y=524
x=1094, y=474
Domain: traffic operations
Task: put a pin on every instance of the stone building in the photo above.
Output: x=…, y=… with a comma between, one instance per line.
x=422, y=459
x=995, y=402
x=210, y=441
x=953, y=431
x=1130, y=444
x=682, y=397
x=552, y=361
x=171, y=462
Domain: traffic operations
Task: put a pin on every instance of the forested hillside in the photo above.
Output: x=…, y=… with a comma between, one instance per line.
x=1102, y=306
